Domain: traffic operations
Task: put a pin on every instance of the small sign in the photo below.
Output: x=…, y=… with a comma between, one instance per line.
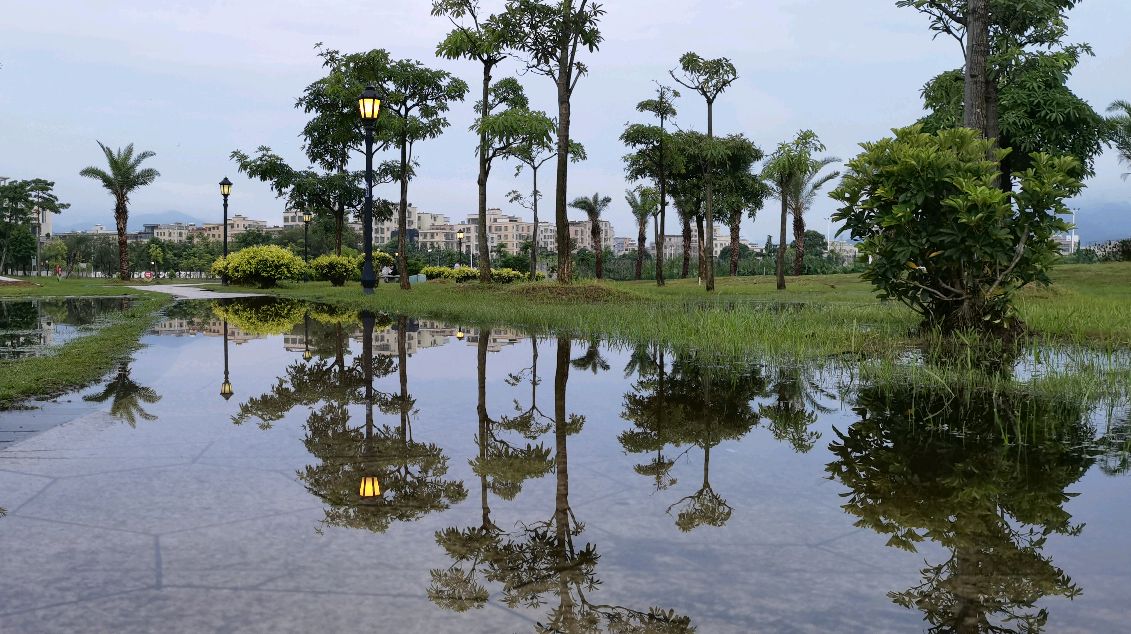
x=149, y=275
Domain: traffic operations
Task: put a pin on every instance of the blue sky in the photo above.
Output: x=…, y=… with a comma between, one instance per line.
x=194, y=79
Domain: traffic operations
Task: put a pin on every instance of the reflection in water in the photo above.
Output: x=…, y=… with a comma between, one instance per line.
x=928, y=466
x=696, y=404
x=30, y=327
x=127, y=398
x=539, y=559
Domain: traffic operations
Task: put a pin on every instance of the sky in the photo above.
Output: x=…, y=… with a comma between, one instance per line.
x=193, y=80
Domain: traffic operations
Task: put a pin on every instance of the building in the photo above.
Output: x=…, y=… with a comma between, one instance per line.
x=176, y=232
x=846, y=252
x=673, y=245
x=623, y=245
x=1068, y=243
x=237, y=224
x=580, y=234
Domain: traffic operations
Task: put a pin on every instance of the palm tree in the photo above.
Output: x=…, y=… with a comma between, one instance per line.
x=784, y=174
x=804, y=190
x=644, y=202
x=1121, y=126
x=124, y=176
x=593, y=208
x=686, y=211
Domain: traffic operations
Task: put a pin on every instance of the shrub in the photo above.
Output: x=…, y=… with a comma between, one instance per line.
x=336, y=269
x=437, y=272
x=263, y=266
x=506, y=276
x=464, y=274
x=945, y=239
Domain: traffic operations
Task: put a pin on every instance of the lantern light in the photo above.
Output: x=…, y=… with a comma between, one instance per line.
x=225, y=187
x=459, y=334
x=307, y=356
x=369, y=105
x=307, y=216
x=459, y=234
x=226, y=390
x=370, y=487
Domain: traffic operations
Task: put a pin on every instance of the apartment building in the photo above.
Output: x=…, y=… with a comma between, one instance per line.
x=622, y=245
x=580, y=234
x=673, y=244
x=237, y=224
x=176, y=232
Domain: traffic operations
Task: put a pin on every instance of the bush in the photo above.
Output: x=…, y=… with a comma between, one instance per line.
x=437, y=272
x=464, y=274
x=469, y=274
x=263, y=266
x=945, y=239
x=506, y=276
x=337, y=269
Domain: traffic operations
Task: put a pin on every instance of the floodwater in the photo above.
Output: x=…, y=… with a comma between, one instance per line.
x=547, y=485
x=32, y=327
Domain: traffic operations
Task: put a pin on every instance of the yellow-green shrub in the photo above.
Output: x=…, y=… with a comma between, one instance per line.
x=336, y=269
x=263, y=266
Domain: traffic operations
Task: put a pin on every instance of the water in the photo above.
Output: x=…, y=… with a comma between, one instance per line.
x=547, y=484
x=33, y=327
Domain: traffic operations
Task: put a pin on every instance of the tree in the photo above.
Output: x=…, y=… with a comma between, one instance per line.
x=1013, y=88
x=644, y=203
x=740, y=192
x=593, y=207
x=803, y=191
x=709, y=78
x=122, y=177
x=654, y=158
x=550, y=34
x=486, y=41
x=128, y=398
x=944, y=239
x=783, y=172
x=21, y=202
x=416, y=98
x=1121, y=130
x=533, y=154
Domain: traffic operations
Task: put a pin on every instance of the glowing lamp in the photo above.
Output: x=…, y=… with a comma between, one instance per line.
x=459, y=334
x=370, y=487
x=369, y=105
x=226, y=390
x=225, y=187
x=307, y=356
x=459, y=234
x=307, y=217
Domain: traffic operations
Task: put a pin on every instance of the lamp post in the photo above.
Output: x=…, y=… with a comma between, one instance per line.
x=459, y=247
x=370, y=486
x=369, y=106
x=226, y=390
x=225, y=191
x=306, y=218
x=307, y=355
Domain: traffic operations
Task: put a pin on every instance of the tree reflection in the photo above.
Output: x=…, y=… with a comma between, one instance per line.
x=127, y=398
x=541, y=561
x=795, y=407
x=982, y=475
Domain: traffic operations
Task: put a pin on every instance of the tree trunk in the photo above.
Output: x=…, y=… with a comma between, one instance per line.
x=781, y=243
x=534, y=241
x=702, y=253
x=734, y=229
x=121, y=218
x=641, y=236
x=799, y=242
x=598, y=250
x=561, y=462
x=484, y=172
x=977, y=66
x=484, y=422
x=340, y=216
x=686, y=246
x=402, y=219
x=659, y=242
x=565, y=268
x=709, y=265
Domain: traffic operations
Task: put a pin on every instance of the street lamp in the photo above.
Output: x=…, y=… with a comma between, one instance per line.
x=370, y=487
x=307, y=355
x=226, y=390
x=306, y=218
x=369, y=106
x=225, y=191
x=459, y=247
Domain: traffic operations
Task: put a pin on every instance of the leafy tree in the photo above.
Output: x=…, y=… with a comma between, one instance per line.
x=709, y=78
x=945, y=240
x=20, y=203
x=128, y=398
x=124, y=174
x=533, y=154
x=783, y=173
x=1121, y=130
x=654, y=158
x=252, y=238
x=486, y=40
x=644, y=203
x=741, y=193
x=416, y=98
x=803, y=191
x=593, y=207
x=549, y=35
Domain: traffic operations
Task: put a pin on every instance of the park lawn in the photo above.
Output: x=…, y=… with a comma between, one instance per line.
x=50, y=286
x=82, y=361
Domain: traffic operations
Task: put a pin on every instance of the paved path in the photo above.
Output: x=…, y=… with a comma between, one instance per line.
x=191, y=291
x=6, y=280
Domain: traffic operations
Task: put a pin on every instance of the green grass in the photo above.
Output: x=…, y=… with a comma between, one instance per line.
x=76, y=287
x=82, y=361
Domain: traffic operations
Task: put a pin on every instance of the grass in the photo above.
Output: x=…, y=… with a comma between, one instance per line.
x=49, y=286
x=83, y=361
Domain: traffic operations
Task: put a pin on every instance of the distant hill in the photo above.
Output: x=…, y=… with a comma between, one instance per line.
x=1103, y=221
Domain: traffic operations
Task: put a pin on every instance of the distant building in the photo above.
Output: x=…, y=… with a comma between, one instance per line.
x=237, y=224
x=846, y=252
x=580, y=232
x=622, y=245
x=1068, y=243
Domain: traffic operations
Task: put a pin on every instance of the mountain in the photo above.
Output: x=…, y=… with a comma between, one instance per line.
x=163, y=217
x=1103, y=221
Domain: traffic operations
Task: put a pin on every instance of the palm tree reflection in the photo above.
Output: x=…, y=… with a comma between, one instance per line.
x=127, y=398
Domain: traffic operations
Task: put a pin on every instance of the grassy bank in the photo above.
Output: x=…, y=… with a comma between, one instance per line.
x=815, y=316
x=82, y=361
x=75, y=287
